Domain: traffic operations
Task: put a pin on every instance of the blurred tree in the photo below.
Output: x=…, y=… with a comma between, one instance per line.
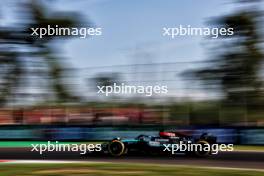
x=237, y=68
x=18, y=43
x=10, y=70
x=41, y=18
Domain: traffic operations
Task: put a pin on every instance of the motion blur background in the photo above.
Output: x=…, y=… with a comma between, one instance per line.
x=48, y=86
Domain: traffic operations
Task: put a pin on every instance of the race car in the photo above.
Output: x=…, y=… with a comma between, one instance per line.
x=164, y=144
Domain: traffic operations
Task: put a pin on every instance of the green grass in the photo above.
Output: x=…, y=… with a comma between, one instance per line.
x=119, y=169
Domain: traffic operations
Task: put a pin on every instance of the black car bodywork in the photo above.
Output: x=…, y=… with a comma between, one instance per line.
x=151, y=145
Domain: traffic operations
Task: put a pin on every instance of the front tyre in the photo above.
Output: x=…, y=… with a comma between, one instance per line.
x=116, y=148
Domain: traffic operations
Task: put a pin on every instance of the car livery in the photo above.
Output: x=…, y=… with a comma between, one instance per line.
x=150, y=145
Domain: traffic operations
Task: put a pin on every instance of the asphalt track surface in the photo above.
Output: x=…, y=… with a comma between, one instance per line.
x=237, y=159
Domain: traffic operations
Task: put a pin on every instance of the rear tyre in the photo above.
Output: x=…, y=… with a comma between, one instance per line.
x=116, y=148
x=205, y=149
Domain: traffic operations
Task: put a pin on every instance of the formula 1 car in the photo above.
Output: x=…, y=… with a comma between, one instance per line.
x=165, y=143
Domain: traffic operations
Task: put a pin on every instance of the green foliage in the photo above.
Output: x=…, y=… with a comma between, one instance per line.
x=236, y=68
x=17, y=44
